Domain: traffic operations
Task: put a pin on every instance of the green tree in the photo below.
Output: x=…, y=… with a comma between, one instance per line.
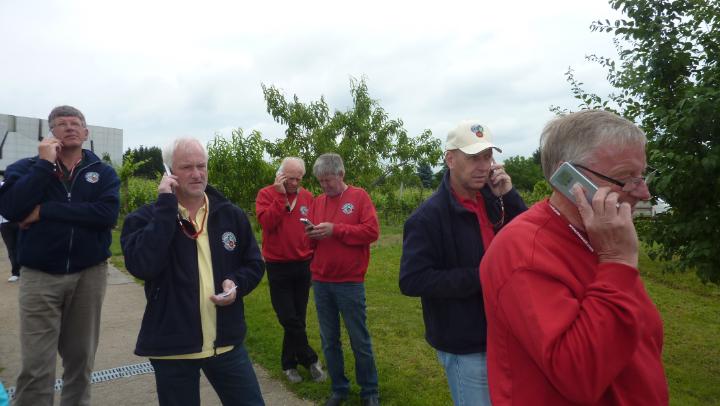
x=237, y=167
x=376, y=149
x=424, y=172
x=525, y=172
x=152, y=156
x=539, y=191
x=668, y=81
x=125, y=172
x=536, y=157
x=106, y=158
x=439, y=175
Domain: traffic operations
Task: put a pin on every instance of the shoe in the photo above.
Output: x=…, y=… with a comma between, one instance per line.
x=317, y=373
x=335, y=400
x=293, y=376
x=371, y=401
x=13, y=278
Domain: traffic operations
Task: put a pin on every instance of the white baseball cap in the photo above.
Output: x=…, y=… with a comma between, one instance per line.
x=470, y=137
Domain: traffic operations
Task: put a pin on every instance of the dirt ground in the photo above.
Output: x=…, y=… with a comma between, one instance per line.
x=122, y=311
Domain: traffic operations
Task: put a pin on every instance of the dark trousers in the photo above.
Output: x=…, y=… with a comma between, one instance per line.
x=231, y=374
x=289, y=291
x=9, y=232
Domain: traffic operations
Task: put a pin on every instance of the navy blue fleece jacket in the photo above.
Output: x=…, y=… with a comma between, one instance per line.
x=442, y=248
x=73, y=232
x=158, y=252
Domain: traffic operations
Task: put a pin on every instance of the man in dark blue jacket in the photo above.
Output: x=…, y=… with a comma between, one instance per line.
x=66, y=201
x=443, y=242
x=198, y=257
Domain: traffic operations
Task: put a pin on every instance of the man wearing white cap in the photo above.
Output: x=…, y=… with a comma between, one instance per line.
x=443, y=242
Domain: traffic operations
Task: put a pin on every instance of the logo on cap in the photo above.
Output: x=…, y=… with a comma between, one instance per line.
x=478, y=130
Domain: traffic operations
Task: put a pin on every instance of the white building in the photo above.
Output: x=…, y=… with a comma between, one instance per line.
x=19, y=138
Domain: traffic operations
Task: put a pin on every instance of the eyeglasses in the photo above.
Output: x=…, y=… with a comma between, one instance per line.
x=71, y=124
x=631, y=184
x=188, y=226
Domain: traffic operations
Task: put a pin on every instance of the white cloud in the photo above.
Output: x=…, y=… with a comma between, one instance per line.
x=163, y=68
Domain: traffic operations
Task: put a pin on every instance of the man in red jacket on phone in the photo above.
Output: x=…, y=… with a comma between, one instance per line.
x=569, y=320
x=345, y=223
x=287, y=253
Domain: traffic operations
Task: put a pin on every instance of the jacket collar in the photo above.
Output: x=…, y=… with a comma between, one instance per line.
x=215, y=198
x=446, y=190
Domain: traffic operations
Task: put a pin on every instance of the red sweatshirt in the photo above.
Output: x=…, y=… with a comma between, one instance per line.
x=284, y=238
x=344, y=256
x=563, y=328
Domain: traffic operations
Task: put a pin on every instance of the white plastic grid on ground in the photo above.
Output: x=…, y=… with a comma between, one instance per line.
x=106, y=375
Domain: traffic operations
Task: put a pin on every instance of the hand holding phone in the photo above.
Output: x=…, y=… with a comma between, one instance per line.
x=567, y=176
x=49, y=148
x=167, y=182
x=279, y=183
x=226, y=294
x=307, y=222
x=499, y=181
x=225, y=298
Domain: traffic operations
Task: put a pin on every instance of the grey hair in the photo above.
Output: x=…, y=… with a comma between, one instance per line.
x=329, y=164
x=65, y=111
x=183, y=142
x=291, y=159
x=574, y=137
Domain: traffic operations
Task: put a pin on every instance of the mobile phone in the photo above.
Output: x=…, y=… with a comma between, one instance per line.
x=307, y=222
x=566, y=176
x=168, y=173
x=226, y=294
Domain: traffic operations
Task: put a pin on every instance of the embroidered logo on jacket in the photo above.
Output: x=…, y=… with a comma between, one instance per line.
x=304, y=210
x=92, y=177
x=229, y=240
x=348, y=208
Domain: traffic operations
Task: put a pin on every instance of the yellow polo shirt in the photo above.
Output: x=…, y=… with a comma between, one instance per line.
x=208, y=311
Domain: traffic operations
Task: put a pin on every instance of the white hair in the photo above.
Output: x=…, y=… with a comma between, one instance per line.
x=168, y=151
x=284, y=162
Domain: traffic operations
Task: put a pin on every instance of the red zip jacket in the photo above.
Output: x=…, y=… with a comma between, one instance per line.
x=563, y=328
x=344, y=256
x=283, y=235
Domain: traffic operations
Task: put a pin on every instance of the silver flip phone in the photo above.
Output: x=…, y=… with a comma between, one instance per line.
x=566, y=176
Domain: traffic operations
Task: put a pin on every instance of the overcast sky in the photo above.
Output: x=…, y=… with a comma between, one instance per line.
x=163, y=68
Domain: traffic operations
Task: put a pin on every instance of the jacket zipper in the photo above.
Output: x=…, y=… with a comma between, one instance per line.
x=69, y=198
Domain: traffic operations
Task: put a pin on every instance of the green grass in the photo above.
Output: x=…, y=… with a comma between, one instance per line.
x=691, y=318
x=410, y=373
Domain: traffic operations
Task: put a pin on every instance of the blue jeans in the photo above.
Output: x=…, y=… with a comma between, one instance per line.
x=347, y=299
x=231, y=374
x=467, y=378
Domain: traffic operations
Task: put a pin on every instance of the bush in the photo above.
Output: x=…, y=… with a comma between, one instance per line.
x=393, y=208
x=140, y=191
x=540, y=191
x=237, y=167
